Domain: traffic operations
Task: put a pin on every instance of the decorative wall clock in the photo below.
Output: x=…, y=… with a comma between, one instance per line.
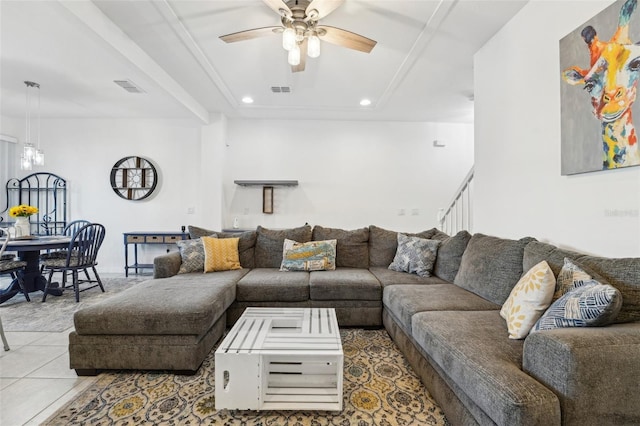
x=134, y=178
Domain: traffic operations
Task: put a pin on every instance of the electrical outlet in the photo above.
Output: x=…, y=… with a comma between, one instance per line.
x=415, y=212
x=191, y=210
x=401, y=212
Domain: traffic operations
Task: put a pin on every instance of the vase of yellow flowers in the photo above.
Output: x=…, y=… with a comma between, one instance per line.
x=22, y=213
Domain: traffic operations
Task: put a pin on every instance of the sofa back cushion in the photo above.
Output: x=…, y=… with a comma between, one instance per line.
x=246, y=243
x=450, y=254
x=383, y=244
x=622, y=273
x=269, y=244
x=352, y=250
x=491, y=266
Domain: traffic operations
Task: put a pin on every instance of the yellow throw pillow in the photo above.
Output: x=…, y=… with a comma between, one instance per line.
x=220, y=254
x=528, y=300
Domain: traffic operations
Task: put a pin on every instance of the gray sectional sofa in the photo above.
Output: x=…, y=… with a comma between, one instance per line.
x=448, y=325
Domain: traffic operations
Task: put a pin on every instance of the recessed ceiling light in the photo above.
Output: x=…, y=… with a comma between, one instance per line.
x=247, y=100
x=365, y=102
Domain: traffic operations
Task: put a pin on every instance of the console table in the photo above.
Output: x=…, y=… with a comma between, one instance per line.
x=137, y=238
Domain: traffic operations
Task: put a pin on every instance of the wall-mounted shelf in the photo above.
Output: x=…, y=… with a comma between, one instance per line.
x=266, y=182
x=267, y=190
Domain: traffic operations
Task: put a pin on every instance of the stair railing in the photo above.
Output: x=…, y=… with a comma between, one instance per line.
x=458, y=215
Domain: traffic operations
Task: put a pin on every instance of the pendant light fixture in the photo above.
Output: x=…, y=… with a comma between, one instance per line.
x=32, y=155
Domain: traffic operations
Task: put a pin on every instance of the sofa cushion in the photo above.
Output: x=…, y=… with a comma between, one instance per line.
x=589, y=304
x=388, y=277
x=220, y=254
x=450, y=254
x=311, y=256
x=415, y=255
x=269, y=244
x=383, y=244
x=353, y=246
x=403, y=301
x=344, y=284
x=528, y=300
x=272, y=285
x=536, y=251
x=246, y=245
x=472, y=349
x=191, y=256
x=182, y=304
x=491, y=266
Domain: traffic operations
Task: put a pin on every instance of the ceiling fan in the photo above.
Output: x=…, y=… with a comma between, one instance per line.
x=301, y=33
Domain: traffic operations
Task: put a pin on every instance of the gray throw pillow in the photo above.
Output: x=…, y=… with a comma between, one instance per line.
x=269, y=243
x=352, y=250
x=192, y=254
x=383, y=244
x=415, y=255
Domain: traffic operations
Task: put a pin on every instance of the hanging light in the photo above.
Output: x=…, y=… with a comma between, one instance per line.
x=31, y=154
x=294, y=55
x=313, y=48
x=288, y=38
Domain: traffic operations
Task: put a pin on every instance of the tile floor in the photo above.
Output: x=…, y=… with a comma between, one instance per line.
x=35, y=378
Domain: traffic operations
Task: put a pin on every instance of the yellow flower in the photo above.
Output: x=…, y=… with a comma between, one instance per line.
x=22, y=210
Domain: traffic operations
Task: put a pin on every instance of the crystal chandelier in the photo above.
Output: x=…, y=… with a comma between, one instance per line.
x=32, y=155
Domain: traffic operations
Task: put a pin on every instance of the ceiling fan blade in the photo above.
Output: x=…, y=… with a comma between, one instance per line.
x=278, y=6
x=324, y=7
x=346, y=38
x=303, y=58
x=250, y=34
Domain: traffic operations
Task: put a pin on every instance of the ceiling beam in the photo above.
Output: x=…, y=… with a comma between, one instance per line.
x=91, y=16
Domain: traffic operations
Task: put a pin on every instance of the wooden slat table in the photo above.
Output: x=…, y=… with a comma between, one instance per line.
x=281, y=359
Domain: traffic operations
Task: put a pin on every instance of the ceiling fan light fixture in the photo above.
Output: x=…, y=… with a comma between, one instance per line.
x=288, y=38
x=365, y=102
x=247, y=100
x=313, y=47
x=294, y=56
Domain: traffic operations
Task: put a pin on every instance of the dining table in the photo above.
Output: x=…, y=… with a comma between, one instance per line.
x=29, y=249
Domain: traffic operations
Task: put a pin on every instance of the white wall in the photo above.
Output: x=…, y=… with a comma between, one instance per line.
x=84, y=151
x=518, y=186
x=351, y=174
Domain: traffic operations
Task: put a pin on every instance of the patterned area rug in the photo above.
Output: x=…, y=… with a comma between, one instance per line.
x=56, y=314
x=379, y=389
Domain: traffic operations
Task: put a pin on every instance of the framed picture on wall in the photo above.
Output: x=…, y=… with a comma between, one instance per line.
x=267, y=199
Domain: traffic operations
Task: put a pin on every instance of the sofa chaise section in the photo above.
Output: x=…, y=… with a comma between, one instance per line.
x=168, y=324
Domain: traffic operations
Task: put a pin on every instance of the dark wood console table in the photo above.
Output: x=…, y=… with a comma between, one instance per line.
x=137, y=238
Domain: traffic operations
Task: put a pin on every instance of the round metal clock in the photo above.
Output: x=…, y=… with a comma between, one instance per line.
x=134, y=178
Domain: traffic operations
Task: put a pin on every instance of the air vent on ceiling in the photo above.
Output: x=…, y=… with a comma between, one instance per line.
x=129, y=86
x=281, y=89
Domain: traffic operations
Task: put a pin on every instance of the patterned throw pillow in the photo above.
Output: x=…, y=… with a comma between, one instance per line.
x=591, y=304
x=528, y=300
x=415, y=255
x=220, y=254
x=192, y=253
x=569, y=277
x=311, y=256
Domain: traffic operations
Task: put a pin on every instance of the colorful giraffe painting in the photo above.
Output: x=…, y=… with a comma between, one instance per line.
x=612, y=81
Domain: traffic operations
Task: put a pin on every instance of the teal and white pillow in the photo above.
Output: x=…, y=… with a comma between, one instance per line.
x=415, y=255
x=589, y=304
x=311, y=256
x=192, y=254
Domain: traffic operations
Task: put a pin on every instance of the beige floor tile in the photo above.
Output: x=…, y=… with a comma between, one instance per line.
x=54, y=339
x=60, y=402
x=21, y=338
x=26, y=359
x=6, y=382
x=58, y=368
x=26, y=398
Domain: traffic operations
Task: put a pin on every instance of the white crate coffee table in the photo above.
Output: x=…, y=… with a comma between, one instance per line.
x=281, y=359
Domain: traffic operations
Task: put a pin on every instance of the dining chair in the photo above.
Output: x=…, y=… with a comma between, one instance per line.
x=12, y=267
x=81, y=256
x=70, y=229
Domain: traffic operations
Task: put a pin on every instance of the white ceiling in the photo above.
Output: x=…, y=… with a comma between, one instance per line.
x=420, y=70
